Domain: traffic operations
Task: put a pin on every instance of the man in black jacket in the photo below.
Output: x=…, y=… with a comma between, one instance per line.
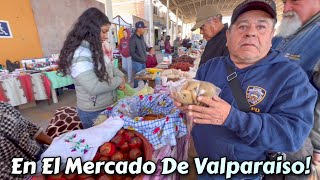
x=138, y=49
x=209, y=20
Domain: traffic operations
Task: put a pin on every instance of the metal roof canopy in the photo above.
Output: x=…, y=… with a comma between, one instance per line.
x=188, y=8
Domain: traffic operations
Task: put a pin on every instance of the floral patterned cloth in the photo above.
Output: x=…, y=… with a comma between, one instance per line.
x=159, y=132
x=82, y=143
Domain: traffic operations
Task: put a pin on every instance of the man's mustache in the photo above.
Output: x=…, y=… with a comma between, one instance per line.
x=289, y=14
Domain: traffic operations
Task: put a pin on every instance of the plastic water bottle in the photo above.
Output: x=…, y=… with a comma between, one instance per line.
x=157, y=81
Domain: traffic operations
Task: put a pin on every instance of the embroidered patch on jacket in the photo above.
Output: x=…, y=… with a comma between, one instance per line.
x=293, y=56
x=255, y=95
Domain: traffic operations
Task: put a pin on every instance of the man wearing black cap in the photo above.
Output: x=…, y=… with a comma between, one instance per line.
x=138, y=49
x=266, y=102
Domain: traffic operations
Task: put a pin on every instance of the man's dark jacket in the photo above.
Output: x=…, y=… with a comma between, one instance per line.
x=216, y=46
x=138, y=49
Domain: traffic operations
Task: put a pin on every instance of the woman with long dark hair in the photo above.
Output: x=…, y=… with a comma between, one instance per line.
x=82, y=57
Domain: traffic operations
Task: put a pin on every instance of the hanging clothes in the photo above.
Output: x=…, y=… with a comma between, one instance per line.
x=120, y=33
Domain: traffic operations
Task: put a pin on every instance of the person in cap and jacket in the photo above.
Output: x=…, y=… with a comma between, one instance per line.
x=209, y=20
x=270, y=109
x=138, y=49
x=299, y=38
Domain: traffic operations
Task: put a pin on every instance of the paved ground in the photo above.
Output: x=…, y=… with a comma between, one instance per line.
x=43, y=112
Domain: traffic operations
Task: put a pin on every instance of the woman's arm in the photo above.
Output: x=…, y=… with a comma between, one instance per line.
x=44, y=138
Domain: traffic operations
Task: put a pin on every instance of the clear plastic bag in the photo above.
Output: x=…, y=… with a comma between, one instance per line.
x=128, y=91
x=145, y=91
x=187, y=91
x=129, y=107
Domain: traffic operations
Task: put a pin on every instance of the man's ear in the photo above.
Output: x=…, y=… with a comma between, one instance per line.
x=215, y=20
x=228, y=36
x=273, y=32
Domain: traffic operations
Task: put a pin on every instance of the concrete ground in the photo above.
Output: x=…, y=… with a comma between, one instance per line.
x=42, y=113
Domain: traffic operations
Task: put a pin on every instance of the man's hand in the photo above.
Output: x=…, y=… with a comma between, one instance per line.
x=216, y=113
x=182, y=108
x=316, y=158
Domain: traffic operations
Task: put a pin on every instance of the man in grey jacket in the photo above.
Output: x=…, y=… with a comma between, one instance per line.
x=138, y=49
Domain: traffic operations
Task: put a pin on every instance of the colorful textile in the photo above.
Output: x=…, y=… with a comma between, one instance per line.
x=82, y=143
x=159, y=132
x=47, y=85
x=65, y=119
x=120, y=32
x=57, y=81
x=13, y=125
x=3, y=96
x=27, y=87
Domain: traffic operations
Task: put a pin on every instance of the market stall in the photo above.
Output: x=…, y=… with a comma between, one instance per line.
x=19, y=89
x=182, y=67
x=57, y=81
x=48, y=67
x=141, y=124
x=147, y=126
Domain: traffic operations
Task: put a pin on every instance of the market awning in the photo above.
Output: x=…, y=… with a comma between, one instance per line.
x=188, y=8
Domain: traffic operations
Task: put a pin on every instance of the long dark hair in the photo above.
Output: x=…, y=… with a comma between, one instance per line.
x=88, y=28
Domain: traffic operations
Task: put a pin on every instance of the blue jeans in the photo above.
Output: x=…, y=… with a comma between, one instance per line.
x=87, y=118
x=137, y=67
x=127, y=66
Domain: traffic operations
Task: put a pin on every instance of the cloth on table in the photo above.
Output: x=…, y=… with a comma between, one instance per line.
x=27, y=86
x=3, y=96
x=47, y=85
x=159, y=132
x=82, y=143
x=41, y=86
x=57, y=80
x=13, y=91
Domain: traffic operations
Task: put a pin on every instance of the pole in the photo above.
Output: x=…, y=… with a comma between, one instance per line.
x=182, y=34
x=168, y=11
x=176, y=28
x=109, y=13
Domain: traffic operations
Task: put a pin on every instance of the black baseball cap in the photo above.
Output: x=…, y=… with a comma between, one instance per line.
x=267, y=6
x=140, y=24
